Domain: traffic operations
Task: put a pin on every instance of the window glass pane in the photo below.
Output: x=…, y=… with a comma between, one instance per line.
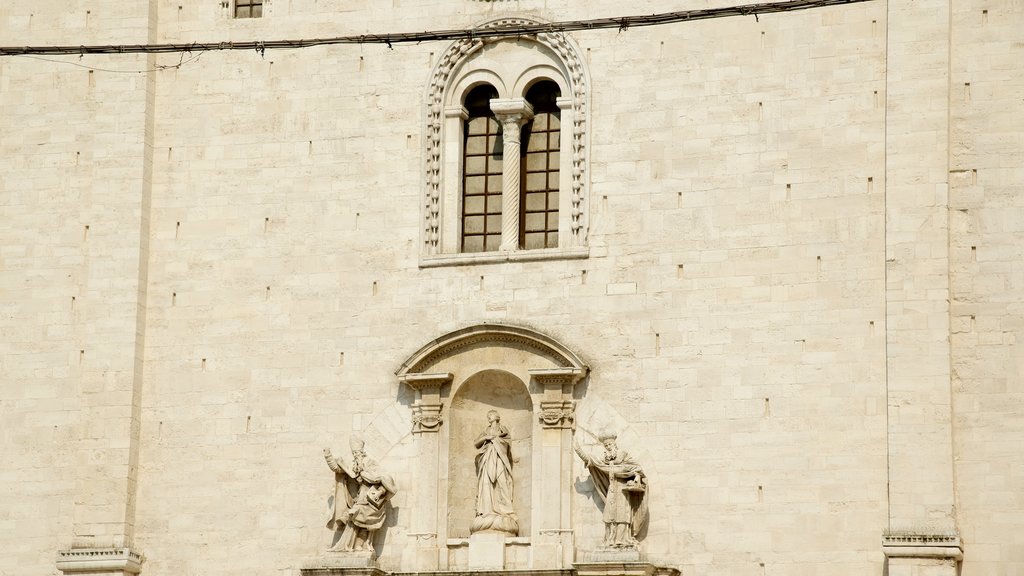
x=552, y=240
x=476, y=145
x=494, y=204
x=476, y=165
x=534, y=240
x=472, y=243
x=473, y=225
x=493, y=242
x=553, y=139
x=495, y=145
x=540, y=122
x=475, y=126
x=475, y=184
x=536, y=181
x=552, y=221
x=241, y=11
x=536, y=162
x=535, y=202
x=554, y=159
x=535, y=222
x=494, y=182
x=257, y=11
x=474, y=204
x=537, y=142
x=494, y=224
x=553, y=201
x=554, y=122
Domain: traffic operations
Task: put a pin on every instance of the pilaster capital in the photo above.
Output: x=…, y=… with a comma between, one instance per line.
x=426, y=410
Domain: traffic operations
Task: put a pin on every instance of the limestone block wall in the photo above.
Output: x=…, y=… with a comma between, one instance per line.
x=986, y=240
x=250, y=279
x=72, y=207
x=731, y=309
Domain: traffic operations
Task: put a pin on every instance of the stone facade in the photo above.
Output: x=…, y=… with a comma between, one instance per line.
x=792, y=287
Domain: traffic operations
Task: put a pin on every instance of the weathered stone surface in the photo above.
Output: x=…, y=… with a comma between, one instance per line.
x=794, y=278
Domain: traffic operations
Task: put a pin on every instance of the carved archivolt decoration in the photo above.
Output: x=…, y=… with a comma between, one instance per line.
x=441, y=79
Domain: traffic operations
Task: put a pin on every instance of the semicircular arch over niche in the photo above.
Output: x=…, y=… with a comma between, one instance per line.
x=528, y=377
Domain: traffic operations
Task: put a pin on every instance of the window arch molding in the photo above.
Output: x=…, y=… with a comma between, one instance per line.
x=511, y=65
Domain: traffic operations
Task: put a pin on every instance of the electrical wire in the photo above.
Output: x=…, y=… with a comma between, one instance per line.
x=159, y=68
x=622, y=23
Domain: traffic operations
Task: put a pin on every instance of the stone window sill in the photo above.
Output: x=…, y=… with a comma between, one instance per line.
x=438, y=260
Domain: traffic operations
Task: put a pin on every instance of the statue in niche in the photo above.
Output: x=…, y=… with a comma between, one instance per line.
x=361, y=492
x=494, y=510
x=622, y=487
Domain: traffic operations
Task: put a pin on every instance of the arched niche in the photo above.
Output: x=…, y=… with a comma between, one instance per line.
x=480, y=393
x=529, y=378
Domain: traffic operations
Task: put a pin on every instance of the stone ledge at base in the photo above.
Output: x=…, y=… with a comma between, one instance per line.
x=121, y=560
x=336, y=571
x=623, y=569
x=582, y=569
x=331, y=563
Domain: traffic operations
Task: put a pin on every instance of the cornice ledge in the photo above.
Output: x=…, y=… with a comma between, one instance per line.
x=86, y=560
x=922, y=545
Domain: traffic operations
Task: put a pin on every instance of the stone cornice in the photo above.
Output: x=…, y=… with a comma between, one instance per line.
x=922, y=545
x=87, y=560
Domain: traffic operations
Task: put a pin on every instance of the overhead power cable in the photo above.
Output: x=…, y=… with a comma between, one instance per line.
x=518, y=29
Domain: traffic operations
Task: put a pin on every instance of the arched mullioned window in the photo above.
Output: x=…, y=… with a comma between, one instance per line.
x=506, y=151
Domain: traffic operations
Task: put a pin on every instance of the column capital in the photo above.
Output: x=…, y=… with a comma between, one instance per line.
x=512, y=109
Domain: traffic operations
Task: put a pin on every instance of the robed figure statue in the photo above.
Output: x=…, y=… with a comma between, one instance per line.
x=622, y=487
x=494, y=510
x=361, y=492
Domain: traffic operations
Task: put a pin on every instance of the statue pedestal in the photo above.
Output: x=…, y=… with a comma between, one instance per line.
x=331, y=563
x=487, y=551
x=611, y=555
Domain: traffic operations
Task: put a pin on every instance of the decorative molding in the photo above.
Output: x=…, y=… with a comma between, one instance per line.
x=426, y=419
x=557, y=414
x=942, y=546
x=453, y=57
x=87, y=560
x=497, y=257
x=426, y=410
x=455, y=341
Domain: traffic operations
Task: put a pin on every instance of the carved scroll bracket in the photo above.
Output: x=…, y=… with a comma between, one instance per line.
x=426, y=410
x=556, y=406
